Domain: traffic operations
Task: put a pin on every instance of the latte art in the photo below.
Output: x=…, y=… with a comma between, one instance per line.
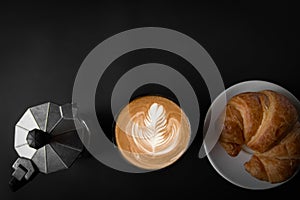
x=152, y=132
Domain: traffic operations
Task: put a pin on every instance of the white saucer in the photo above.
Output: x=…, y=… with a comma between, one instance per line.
x=232, y=168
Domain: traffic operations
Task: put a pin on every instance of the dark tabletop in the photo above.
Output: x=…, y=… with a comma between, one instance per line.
x=43, y=45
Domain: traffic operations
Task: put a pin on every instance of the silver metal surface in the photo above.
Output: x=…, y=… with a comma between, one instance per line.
x=27, y=121
x=66, y=153
x=26, y=164
x=19, y=174
x=54, y=116
x=64, y=145
x=40, y=114
x=64, y=125
x=39, y=159
x=68, y=111
x=54, y=162
x=70, y=139
x=25, y=151
x=20, y=136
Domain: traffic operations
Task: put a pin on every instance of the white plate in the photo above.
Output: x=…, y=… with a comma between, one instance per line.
x=232, y=168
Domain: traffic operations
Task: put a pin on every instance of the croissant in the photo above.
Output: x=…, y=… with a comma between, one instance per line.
x=267, y=123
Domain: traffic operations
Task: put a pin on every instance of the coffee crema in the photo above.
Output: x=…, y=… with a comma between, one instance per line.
x=152, y=132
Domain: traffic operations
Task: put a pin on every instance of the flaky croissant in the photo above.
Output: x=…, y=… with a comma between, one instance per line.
x=267, y=123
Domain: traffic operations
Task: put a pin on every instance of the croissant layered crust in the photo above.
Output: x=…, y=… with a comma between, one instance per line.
x=267, y=123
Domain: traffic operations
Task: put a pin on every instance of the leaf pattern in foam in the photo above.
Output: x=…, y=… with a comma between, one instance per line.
x=155, y=126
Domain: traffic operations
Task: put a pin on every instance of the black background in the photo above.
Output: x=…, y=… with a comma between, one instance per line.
x=43, y=45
